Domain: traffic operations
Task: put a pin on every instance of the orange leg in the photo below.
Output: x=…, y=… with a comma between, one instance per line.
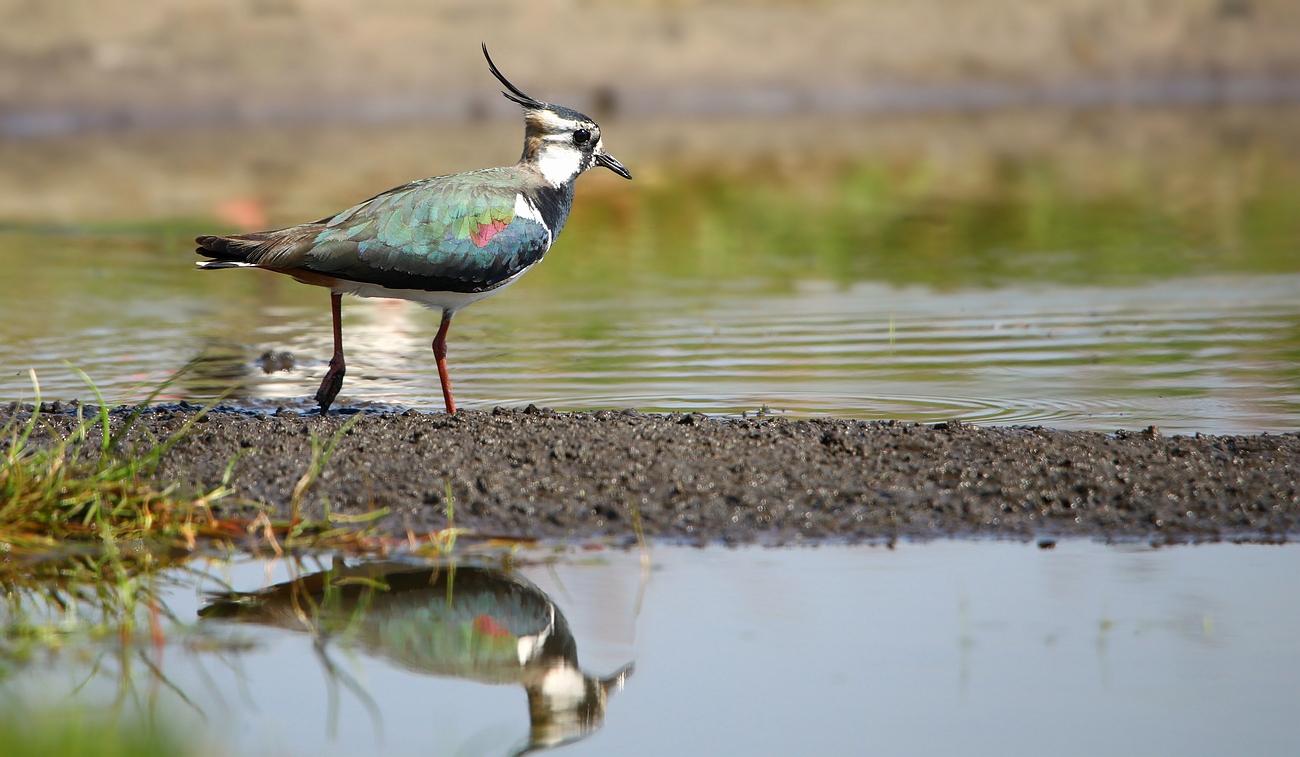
x=333, y=382
x=440, y=355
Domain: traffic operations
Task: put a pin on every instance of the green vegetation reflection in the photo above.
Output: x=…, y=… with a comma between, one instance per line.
x=80, y=733
x=1001, y=220
x=1017, y=220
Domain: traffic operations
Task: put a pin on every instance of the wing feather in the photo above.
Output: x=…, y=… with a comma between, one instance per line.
x=457, y=233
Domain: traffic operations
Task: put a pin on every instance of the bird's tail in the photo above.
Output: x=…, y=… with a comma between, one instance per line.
x=274, y=249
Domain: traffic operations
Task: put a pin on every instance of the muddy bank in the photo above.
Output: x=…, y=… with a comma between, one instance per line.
x=540, y=473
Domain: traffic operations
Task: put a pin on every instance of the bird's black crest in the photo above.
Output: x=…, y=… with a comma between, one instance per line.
x=515, y=94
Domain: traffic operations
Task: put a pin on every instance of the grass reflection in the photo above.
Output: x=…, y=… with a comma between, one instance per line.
x=104, y=610
x=78, y=733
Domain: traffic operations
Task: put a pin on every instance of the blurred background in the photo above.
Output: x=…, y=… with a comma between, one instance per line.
x=1078, y=213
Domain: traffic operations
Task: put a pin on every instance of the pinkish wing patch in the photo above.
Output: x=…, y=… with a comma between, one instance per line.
x=484, y=624
x=484, y=233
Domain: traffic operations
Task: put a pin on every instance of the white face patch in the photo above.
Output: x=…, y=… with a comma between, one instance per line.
x=559, y=162
x=557, y=157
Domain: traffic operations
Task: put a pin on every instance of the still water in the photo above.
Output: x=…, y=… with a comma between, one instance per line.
x=1078, y=270
x=977, y=648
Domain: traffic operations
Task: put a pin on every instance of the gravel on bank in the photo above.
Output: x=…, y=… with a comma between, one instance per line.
x=555, y=475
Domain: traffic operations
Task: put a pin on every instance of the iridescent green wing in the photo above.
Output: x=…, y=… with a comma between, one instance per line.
x=484, y=624
x=461, y=233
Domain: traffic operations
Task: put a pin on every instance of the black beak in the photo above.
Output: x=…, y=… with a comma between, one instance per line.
x=610, y=162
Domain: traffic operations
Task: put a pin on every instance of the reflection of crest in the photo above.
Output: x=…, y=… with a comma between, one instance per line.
x=482, y=624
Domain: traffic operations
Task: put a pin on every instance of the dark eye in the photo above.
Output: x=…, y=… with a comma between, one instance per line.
x=581, y=136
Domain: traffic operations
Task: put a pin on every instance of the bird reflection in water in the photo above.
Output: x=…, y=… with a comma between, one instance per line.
x=479, y=623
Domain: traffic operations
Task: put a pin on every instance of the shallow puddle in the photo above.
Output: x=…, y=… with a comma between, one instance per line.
x=939, y=648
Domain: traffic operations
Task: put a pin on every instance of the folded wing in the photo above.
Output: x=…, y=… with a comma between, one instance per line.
x=464, y=233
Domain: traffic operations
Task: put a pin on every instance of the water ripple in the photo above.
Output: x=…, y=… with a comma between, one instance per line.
x=1187, y=355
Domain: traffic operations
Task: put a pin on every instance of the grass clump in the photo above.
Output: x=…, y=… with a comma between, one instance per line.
x=83, y=488
x=90, y=481
x=82, y=484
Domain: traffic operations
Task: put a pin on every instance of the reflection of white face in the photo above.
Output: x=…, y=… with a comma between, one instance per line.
x=564, y=688
x=567, y=694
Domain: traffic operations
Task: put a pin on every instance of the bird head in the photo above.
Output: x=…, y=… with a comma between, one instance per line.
x=560, y=142
x=566, y=705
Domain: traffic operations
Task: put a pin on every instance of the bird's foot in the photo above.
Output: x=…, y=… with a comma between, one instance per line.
x=330, y=386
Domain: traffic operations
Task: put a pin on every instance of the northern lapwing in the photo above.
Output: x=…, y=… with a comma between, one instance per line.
x=476, y=623
x=444, y=242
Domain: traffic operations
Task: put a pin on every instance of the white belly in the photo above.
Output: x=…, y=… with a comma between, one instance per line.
x=451, y=301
